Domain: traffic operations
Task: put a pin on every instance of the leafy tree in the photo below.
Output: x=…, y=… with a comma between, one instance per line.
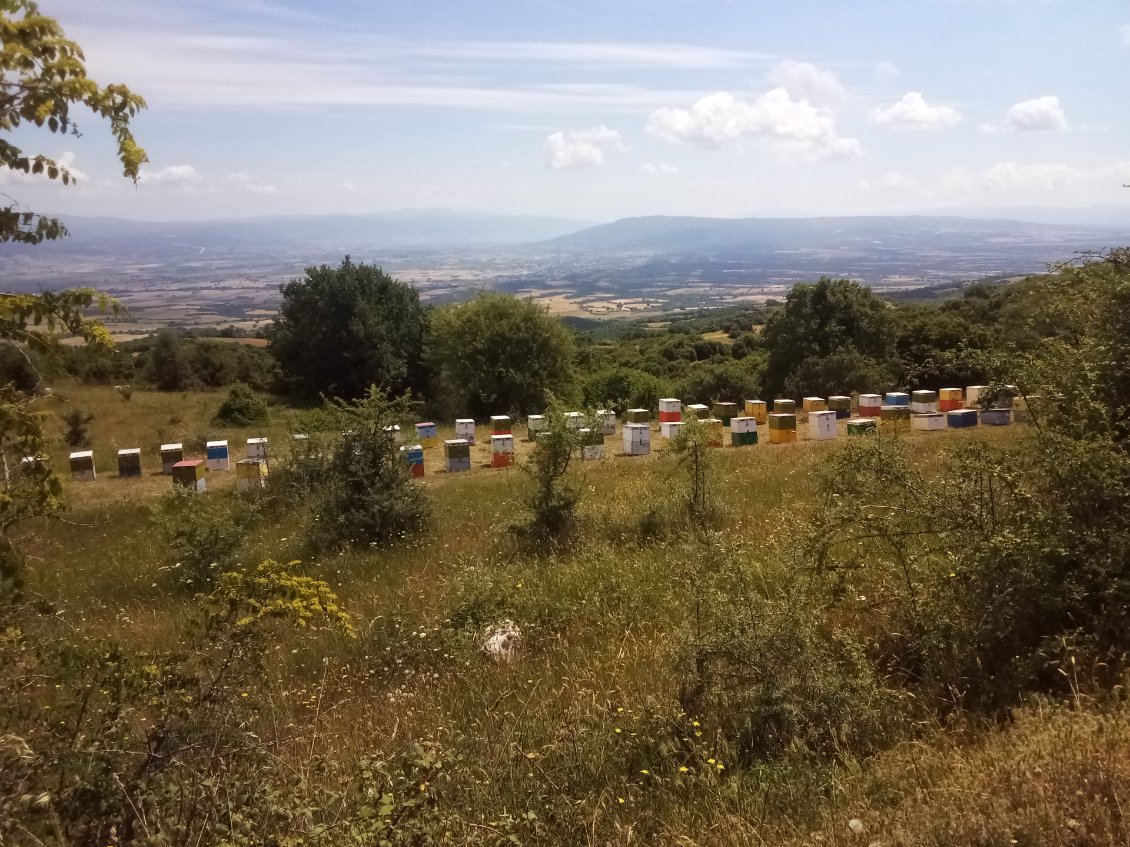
x=820, y=320
x=168, y=365
x=501, y=354
x=77, y=434
x=44, y=75
x=621, y=388
x=242, y=407
x=724, y=379
x=341, y=330
x=552, y=502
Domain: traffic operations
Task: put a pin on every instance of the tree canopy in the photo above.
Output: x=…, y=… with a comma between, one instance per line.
x=499, y=354
x=824, y=320
x=341, y=330
x=44, y=75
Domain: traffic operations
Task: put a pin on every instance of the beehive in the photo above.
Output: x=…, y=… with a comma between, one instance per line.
x=637, y=439
x=129, y=462
x=501, y=451
x=869, y=405
x=189, y=474
x=413, y=456
x=574, y=420
x=170, y=455
x=534, y=425
x=715, y=432
x=782, y=427
x=894, y=415
x=862, y=426
x=256, y=448
x=928, y=421
x=841, y=405
x=896, y=398
x=784, y=407
x=743, y=431
x=393, y=430
x=961, y=418
x=996, y=417
x=637, y=416
x=813, y=404
x=465, y=429
x=427, y=435
x=822, y=425
x=32, y=464
x=669, y=429
x=608, y=421
x=924, y=402
x=670, y=410
x=950, y=399
x=500, y=425
x=699, y=411
x=250, y=474
x=592, y=443
x=758, y=410
x=973, y=395
x=216, y=453
x=725, y=412
x=457, y=455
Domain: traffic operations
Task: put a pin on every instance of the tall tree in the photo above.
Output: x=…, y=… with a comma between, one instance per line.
x=500, y=354
x=831, y=317
x=42, y=75
x=343, y=330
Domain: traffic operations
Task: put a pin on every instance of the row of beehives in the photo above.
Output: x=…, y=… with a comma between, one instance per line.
x=921, y=410
x=251, y=471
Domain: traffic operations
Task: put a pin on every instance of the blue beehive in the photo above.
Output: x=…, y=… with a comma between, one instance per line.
x=961, y=418
x=996, y=417
x=896, y=398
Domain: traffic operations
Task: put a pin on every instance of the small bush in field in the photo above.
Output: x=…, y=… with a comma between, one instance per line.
x=242, y=407
x=692, y=447
x=551, y=504
x=78, y=431
x=367, y=497
x=202, y=536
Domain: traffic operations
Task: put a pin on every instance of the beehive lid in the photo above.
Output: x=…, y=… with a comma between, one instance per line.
x=189, y=463
x=457, y=442
x=464, y=420
x=256, y=440
x=216, y=444
x=130, y=451
x=300, y=436
x=83, y=454
x=169, y=448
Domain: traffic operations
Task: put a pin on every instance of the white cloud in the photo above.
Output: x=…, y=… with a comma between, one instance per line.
x=65, y=161
x=958, y=181
x=348, y=186
x=794, y=126
x=1041, y=114
x=269, y=190
x=894, y=179
x=885, y=72
x=580, y=148
x=805, y=81
x=659, y=169
x=172, y=175
x=913, y=112
x=1039, y=175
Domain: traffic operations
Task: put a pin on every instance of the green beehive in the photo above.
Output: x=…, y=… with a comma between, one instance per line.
x=861, y=426
x=782, y=420
x=743, y=439
x=725, y=412
x=637, y=416
x=784, y=407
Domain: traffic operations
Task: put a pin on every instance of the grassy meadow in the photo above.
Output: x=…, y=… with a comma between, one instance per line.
x=581, y=739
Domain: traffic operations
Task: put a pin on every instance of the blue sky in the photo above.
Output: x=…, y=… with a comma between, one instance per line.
x=599, y=110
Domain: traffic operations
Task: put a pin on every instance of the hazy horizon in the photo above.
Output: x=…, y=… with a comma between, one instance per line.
x=598, y=111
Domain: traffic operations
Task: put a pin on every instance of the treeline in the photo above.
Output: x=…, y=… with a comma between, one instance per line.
x=343, y=329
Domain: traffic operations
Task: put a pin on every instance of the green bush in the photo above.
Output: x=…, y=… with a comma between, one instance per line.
x=202, y=536
x=367, y=497
x=551, y=504
x=241, y=408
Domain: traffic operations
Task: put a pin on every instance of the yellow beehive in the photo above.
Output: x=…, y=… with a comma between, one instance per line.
x=814, y=404
x=715, y=432
x=758, y=410
x=782, y=436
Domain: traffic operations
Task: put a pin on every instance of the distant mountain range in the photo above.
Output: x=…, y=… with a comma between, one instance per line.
x=745, y=237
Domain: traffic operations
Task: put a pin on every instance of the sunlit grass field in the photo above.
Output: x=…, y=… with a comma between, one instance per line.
x=576, y=731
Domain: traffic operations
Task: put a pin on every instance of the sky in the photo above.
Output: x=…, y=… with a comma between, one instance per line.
x=599, y=110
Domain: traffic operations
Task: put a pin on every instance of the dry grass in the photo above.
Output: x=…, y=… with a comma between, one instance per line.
x=602, y=622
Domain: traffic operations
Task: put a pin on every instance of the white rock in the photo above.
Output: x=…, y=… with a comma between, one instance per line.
x=856, y=826
x=501, y=641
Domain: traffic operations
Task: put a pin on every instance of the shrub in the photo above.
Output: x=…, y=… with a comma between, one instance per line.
x=551, y=505
x=241, y=408
x=202, y=536
x=367, y=496
x=77, y=433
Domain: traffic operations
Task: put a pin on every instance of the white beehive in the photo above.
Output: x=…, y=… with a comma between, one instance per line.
x=928, y=421
x=669, y=429
x=607, y=421
x=256, y=448
x=574, y=420
x=637, y=439
x=465, y=429
x=821, y=425
x=217, y=456
x=534, y=425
